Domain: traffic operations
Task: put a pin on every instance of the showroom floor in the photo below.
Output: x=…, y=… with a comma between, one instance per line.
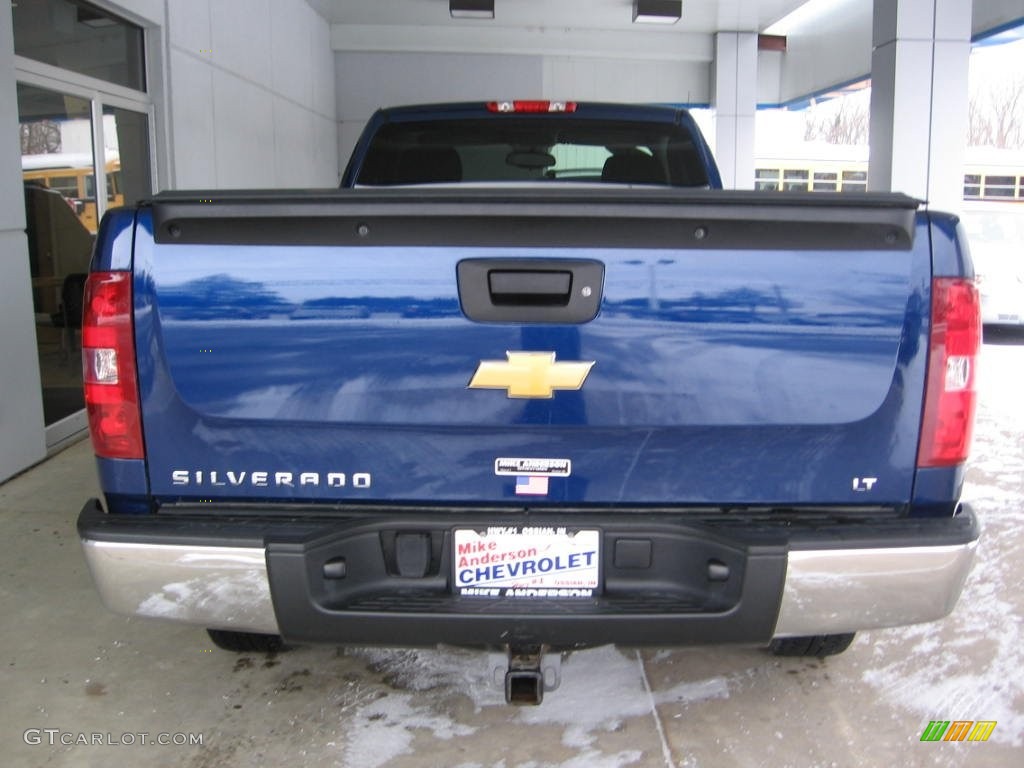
x=70, y=669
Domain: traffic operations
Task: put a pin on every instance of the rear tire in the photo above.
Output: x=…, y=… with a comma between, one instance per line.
x=246, y=642
x=812, y=645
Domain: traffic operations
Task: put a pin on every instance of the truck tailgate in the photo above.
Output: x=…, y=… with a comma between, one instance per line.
x=746, y=350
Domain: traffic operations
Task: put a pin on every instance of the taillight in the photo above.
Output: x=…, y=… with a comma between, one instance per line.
x=951, y=394
x=531, y=106
x=108, y=366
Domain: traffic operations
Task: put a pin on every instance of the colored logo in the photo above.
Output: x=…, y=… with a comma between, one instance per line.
x=529, y=375
x=531, y=486
x=958, y=730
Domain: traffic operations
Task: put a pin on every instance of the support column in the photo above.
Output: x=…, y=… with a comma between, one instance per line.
x=919, y=99
x=22, y=436
x=735, y=102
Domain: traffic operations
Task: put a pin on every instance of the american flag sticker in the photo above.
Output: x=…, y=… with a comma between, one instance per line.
x=531, y=485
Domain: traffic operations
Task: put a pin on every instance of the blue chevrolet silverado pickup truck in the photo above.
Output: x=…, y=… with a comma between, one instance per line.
x=530, y=381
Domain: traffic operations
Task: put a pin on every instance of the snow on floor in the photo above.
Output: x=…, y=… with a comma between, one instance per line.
x=384, y=729
x=604, y=686
x=600, y=689
x=933, y=680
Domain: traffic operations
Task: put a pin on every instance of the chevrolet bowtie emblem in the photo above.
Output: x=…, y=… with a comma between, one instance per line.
x=529, y=374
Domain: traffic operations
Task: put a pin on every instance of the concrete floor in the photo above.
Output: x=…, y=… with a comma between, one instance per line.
x=70, y=665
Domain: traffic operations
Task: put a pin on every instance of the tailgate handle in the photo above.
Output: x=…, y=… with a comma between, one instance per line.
x=530, y=288
x=560, y=291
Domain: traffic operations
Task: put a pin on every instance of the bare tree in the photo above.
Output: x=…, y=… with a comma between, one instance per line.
x=40, y=137
x=996, y=114
x=844, y=123
x=1008, y=114
x=979, y=129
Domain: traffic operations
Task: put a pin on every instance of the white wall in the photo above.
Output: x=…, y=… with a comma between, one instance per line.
x=989, y=14
x=630, y=80
x=837, y=51
x=769, y=77
x=251, y=95
x=369, y=80
x=22, y=440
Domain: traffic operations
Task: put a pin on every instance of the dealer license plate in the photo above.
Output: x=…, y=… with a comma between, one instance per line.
x=526, y=562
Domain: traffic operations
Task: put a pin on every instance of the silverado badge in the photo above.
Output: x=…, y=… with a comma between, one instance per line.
x=530, y=374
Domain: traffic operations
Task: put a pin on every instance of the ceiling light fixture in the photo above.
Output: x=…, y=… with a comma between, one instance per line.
x=657, y=11
x=471, y=9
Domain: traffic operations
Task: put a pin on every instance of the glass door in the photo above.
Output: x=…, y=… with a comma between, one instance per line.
x=64, y=181
x=61, y=216
x=85, y=119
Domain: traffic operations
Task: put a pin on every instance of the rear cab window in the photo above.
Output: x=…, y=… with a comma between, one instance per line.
x=538, y=148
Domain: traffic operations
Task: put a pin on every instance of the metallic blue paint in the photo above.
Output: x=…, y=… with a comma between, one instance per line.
x=937, y=491
x=126, y=476
x=950, y=255
x=768, y=377
x=115, y=234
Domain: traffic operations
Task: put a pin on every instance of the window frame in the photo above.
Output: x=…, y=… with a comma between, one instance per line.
x=99, y=94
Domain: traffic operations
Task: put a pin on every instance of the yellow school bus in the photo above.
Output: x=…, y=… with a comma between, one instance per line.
x=71, y=174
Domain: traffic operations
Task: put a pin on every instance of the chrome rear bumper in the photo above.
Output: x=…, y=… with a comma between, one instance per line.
x=845, y=590
x=213, y=587
x=825, y=590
